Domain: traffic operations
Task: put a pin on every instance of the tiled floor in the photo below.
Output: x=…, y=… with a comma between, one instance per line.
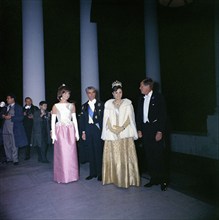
x=27, y=191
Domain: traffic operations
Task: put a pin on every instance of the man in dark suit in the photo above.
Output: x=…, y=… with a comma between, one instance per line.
x=90, y=124
x=28, y=110
x=151, y=123
x=41, y=131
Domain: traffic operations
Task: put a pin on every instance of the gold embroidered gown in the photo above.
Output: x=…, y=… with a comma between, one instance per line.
x=120, y=163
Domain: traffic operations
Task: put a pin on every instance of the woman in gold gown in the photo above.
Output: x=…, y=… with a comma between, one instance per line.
x=120, y=163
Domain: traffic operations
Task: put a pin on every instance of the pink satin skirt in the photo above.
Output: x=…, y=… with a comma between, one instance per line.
x=65, y=155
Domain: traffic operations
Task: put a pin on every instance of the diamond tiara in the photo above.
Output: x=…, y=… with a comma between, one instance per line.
x=116, y=83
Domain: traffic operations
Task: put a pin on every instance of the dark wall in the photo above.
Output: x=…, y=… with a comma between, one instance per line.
x=62, y=48
x=188, y=64
x=186, y=38
x=10, y=49
x=121, y=45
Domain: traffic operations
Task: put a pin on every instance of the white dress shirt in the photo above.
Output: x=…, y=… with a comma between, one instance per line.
x=147, y=99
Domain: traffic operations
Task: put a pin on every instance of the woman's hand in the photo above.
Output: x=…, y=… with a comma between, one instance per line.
x=118, y=129
x=53, y=136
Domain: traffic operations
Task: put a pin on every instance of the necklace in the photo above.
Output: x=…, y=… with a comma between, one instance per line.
x=117, y=104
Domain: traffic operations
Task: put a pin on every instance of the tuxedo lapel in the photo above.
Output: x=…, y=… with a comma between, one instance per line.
x=142, y=107
x=96, y=107
x=151, y=102
x=86, y=106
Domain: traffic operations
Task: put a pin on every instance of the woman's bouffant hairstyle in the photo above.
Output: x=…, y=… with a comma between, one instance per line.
x=115, y=88
x=62, y=89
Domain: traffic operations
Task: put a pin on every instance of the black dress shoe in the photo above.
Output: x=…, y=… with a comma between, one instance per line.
x=150, y=184
x=15, y=163
x=90, y=177
x=163, y=186
x=99, y=178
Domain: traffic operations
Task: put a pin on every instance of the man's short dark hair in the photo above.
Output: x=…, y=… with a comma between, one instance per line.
x=42, y=102
x=28, y=98
x=11, y=95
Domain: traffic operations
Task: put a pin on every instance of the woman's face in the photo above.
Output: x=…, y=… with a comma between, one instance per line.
x=117, y=94
x=65, y=96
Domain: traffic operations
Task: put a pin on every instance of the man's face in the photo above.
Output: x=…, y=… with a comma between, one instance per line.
x=91, y=94
x=43, y=107
x=10, y=100
x=145, y=89
x=28, y=102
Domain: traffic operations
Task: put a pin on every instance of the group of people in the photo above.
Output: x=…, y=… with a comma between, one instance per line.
x=24, y=127
x=109, y=131
x=37, y=127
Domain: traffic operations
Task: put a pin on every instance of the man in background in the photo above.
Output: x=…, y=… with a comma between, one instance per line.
x=41, y=131
x=28, y=110
x=13, y=130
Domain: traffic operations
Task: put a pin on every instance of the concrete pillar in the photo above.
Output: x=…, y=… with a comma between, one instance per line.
x=89, y=49
x=33, y=50
x=152, y=56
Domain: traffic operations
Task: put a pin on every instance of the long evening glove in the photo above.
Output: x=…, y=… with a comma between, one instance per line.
x=123, y=127
x=53, y=131
x=75, y=122
x=111, y=128
x=127, y=122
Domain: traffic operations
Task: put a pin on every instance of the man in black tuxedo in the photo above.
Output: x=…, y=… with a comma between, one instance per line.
x=90, y=124
x=151, y=124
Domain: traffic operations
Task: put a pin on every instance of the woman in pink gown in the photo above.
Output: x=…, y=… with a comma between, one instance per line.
x=64, y=136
